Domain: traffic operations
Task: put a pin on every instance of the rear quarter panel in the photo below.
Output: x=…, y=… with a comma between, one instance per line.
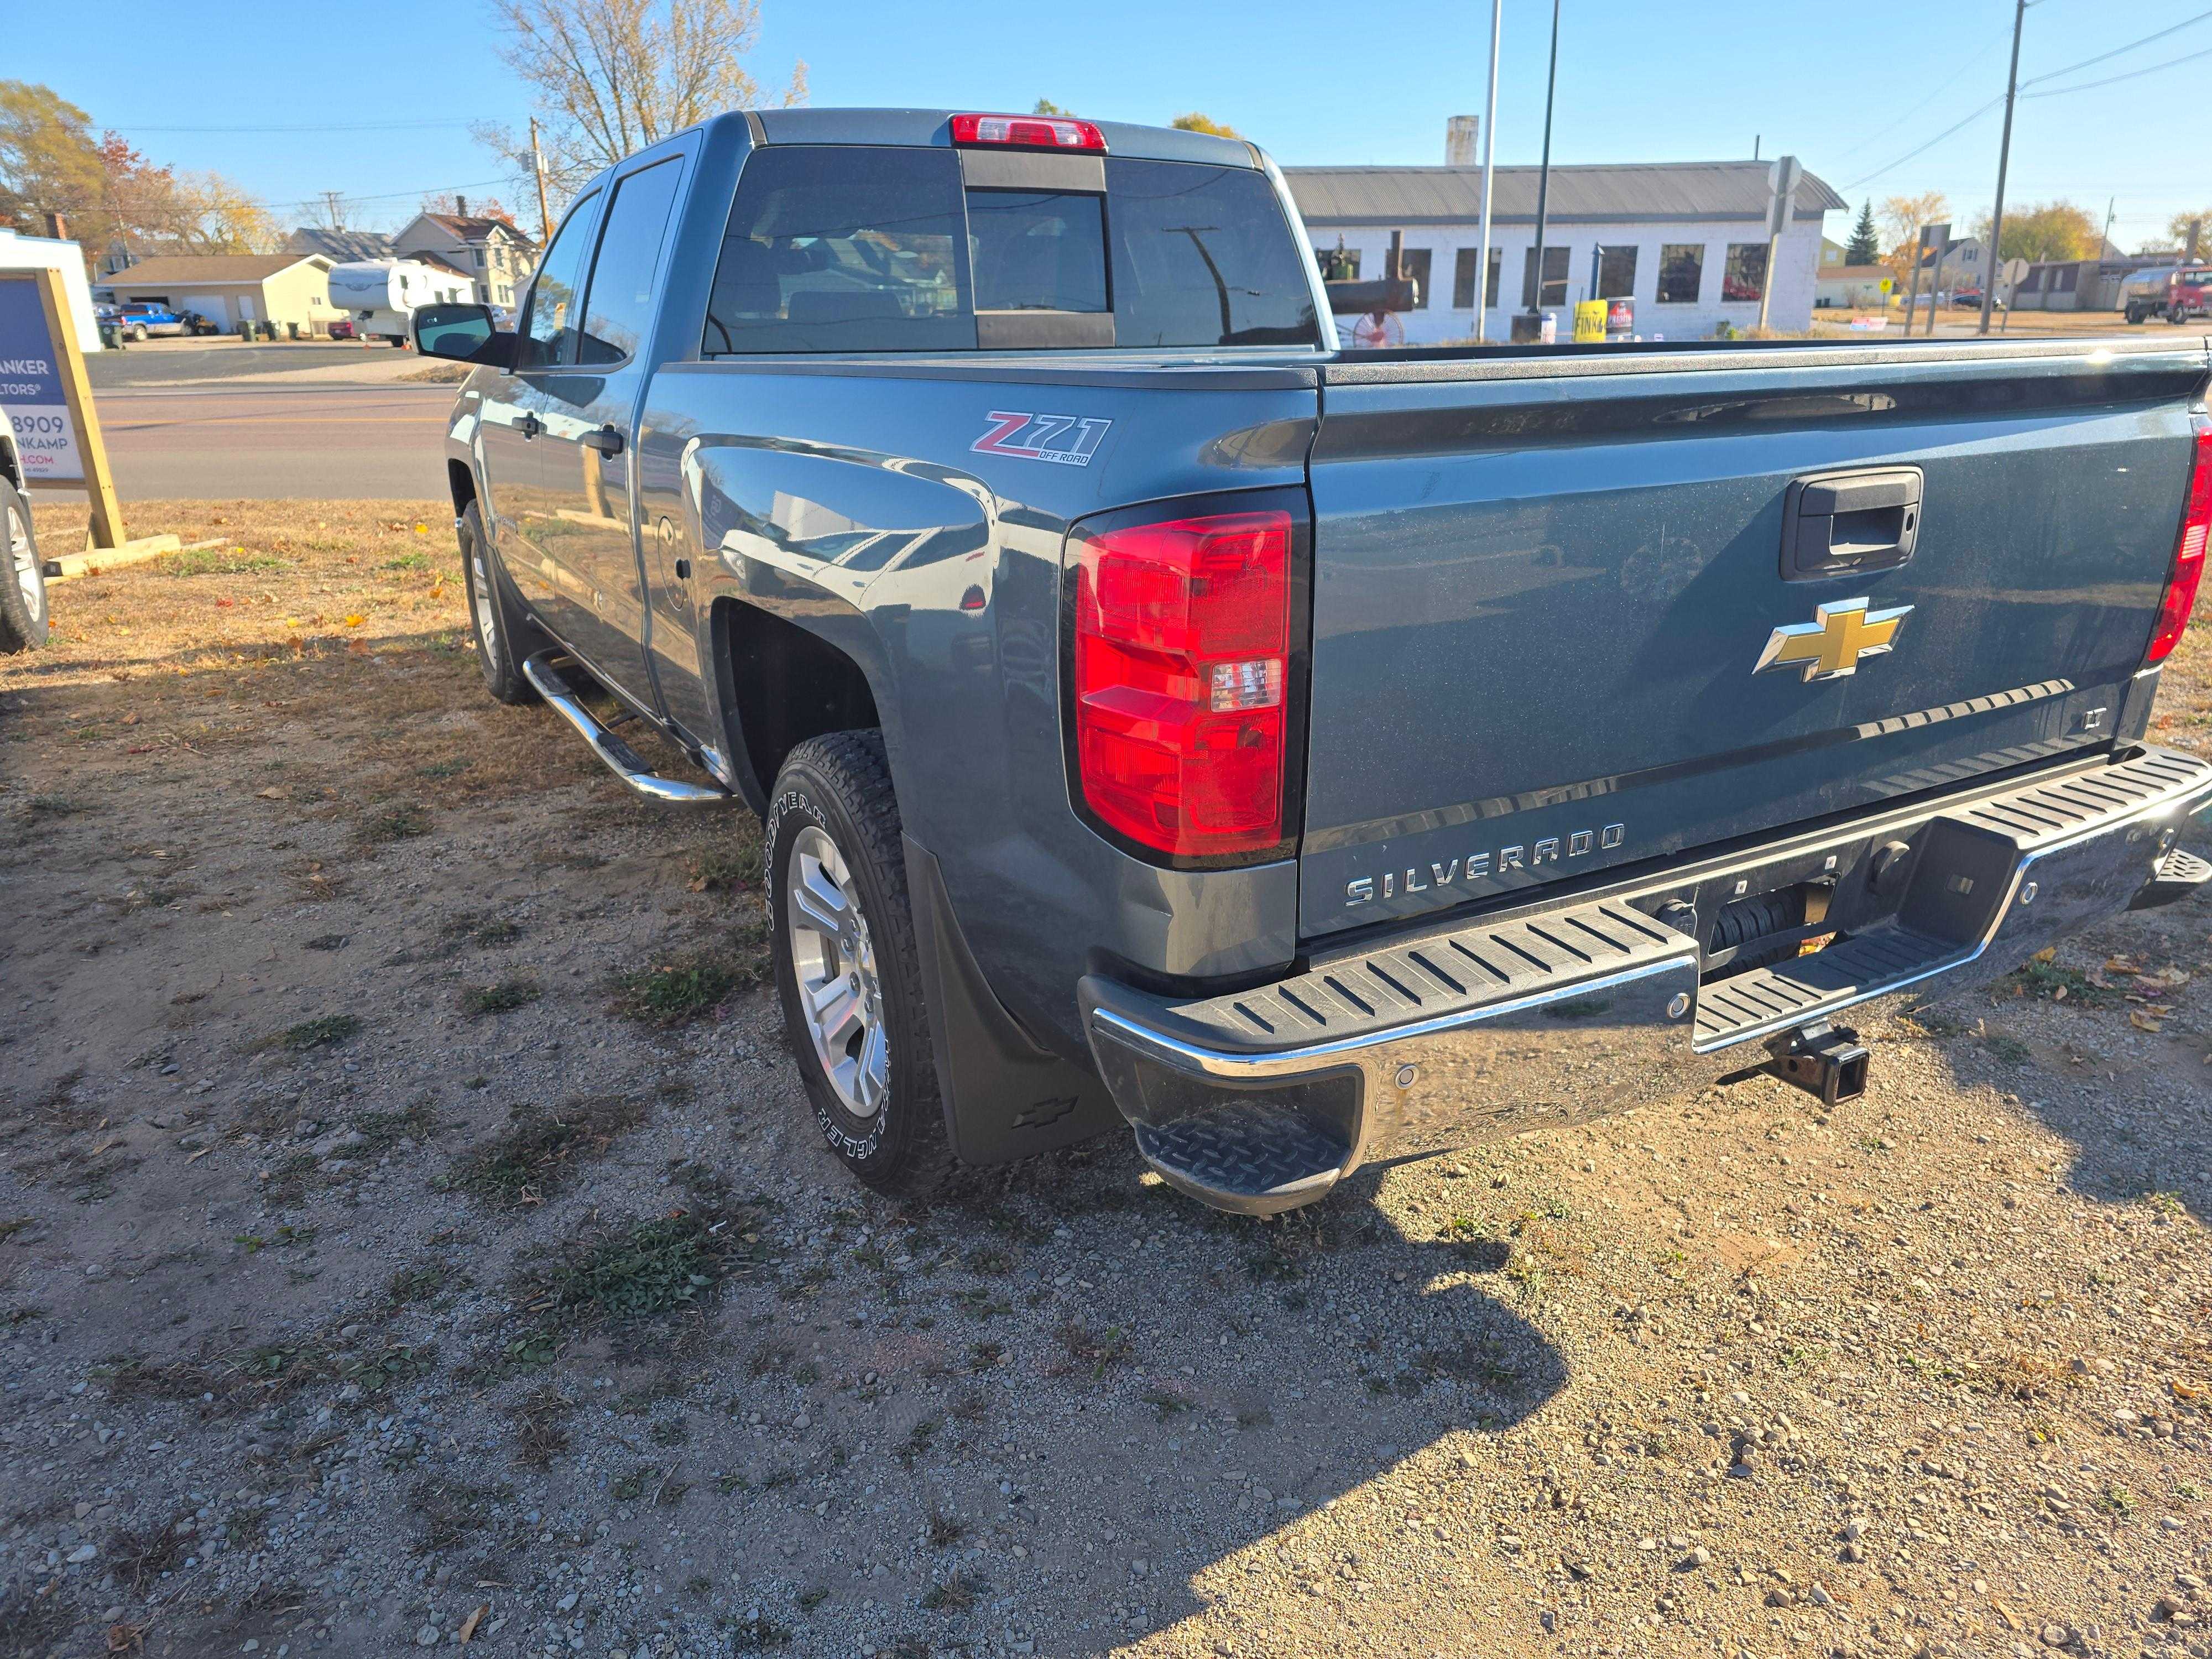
x=851, y=498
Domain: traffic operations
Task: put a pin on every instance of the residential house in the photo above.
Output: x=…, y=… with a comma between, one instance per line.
x=491, y=252
x=285, y=288
x=1853, y=288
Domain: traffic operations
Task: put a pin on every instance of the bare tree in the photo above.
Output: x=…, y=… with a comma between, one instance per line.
x=611, y=76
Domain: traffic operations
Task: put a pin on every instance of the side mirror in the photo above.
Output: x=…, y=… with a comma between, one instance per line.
x=465, y=334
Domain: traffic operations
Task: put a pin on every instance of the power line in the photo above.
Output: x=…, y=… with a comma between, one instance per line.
x=316, y=126
x=2111, y=80
x=1943, y=86
x=2052, y=75
x=1892, y=166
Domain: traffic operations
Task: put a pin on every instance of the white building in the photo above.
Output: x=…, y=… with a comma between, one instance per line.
x=1686, y=241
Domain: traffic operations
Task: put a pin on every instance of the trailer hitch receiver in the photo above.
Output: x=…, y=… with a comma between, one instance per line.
x=1823, y=1059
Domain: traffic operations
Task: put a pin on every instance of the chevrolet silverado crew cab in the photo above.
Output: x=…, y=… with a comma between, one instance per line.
x=1159, y=716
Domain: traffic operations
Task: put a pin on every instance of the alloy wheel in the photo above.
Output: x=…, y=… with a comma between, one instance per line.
x=480, y=586
x=835, y=961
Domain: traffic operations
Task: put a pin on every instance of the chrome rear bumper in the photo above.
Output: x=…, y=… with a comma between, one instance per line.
x=1265, y=1099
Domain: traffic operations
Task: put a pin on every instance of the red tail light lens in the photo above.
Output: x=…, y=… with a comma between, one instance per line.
x=1027, y=132
x=2188, y=553
x=1182, y=633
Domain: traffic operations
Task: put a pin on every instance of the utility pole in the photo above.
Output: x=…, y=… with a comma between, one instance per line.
x=2004, y=158
x=1489, y=150
x=331, y=204
x=2105, y=241
x=538, y=169
x=1534, y=328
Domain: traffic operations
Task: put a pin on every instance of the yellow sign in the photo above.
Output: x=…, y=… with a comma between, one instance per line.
x=1590, y=322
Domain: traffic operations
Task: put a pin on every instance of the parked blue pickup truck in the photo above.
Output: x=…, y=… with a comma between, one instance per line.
x=1159, y=716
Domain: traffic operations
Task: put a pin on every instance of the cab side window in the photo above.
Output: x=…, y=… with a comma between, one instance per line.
x=553, y=322
x=619, y=307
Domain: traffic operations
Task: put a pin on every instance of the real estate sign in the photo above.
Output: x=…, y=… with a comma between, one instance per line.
x=31, y=391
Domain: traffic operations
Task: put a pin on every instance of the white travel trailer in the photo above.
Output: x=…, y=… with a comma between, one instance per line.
x=381, y=295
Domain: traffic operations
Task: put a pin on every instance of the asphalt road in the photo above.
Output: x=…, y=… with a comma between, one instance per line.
x=380, y=443
x=213, y=358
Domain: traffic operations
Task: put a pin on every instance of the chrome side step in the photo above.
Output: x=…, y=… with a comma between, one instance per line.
x=544, y=672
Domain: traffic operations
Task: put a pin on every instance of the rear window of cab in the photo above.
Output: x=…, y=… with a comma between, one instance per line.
x=854, y=248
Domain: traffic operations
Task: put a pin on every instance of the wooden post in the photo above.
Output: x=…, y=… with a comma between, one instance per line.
x=105, y=531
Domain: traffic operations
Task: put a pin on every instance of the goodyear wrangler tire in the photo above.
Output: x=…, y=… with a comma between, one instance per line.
x=848, y=967
x=503, y=635
x=22, y=577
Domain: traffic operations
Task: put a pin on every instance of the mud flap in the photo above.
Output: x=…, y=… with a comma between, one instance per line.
x=1005, y=1097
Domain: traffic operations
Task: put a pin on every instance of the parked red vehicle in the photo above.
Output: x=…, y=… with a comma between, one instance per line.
x=342, y=328
x=2188, y=294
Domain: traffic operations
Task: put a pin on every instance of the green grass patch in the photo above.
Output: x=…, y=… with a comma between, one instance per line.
x=539, y=1148
x=502, y=996
x=680, y=990
x=650, y=1267
x=223, y=561
x=326, y=1032
x=404, y=822
x=2050, y=982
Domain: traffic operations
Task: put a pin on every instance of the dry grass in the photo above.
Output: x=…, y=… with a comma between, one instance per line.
x=313, y=623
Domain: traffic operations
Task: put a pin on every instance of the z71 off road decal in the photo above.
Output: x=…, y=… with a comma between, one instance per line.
x=1068, y=439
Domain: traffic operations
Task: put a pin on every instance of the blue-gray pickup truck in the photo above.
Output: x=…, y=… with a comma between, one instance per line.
x=1158, y=716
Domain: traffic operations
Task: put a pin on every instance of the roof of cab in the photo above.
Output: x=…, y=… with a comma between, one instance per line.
x=932, y=127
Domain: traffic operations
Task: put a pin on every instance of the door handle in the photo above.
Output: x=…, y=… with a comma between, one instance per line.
x=607, y=440
x=1835, y=524
x=530, y=426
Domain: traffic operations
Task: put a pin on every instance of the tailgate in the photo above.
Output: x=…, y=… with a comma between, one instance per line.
x=1543, y=590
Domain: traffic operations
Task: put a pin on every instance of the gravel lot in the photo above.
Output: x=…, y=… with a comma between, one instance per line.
x=411, y=1235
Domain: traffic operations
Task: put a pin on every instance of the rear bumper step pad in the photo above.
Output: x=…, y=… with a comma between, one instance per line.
x=1261, y=1099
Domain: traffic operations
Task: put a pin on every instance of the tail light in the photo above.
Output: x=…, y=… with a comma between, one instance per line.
x=2188, y=552
x=1182, y=635
x=1027, y=132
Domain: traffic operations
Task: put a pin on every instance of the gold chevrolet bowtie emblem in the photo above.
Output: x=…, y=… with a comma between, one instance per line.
x=1831, y=644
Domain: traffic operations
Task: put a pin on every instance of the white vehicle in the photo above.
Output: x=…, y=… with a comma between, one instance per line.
x=381, y=295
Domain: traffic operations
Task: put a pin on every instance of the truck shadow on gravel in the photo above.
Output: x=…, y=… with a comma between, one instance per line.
x=1284, y=1367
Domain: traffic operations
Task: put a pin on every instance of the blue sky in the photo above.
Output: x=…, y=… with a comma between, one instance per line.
x=1847, y=90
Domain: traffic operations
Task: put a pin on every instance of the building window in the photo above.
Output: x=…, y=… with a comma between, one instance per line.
x=1338, y=264
x=1616, y=274
x=1681, y=273
x=1414, y=263
x=1745, y=277
x=477, y=254
x=1555, y=277
x=2064, y=280
x=1463, y=279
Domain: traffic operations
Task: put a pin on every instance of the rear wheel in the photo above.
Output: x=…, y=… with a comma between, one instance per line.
x=848, y=967
x=22, y=577
x=494, y=615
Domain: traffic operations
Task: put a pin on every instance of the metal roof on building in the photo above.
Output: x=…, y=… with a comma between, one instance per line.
x=1635, y=192
x=208, y=270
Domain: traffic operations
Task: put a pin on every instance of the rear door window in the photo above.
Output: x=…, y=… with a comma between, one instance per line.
x=620, y=306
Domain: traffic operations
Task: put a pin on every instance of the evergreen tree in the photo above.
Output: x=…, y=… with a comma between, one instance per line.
x=1865, y=247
